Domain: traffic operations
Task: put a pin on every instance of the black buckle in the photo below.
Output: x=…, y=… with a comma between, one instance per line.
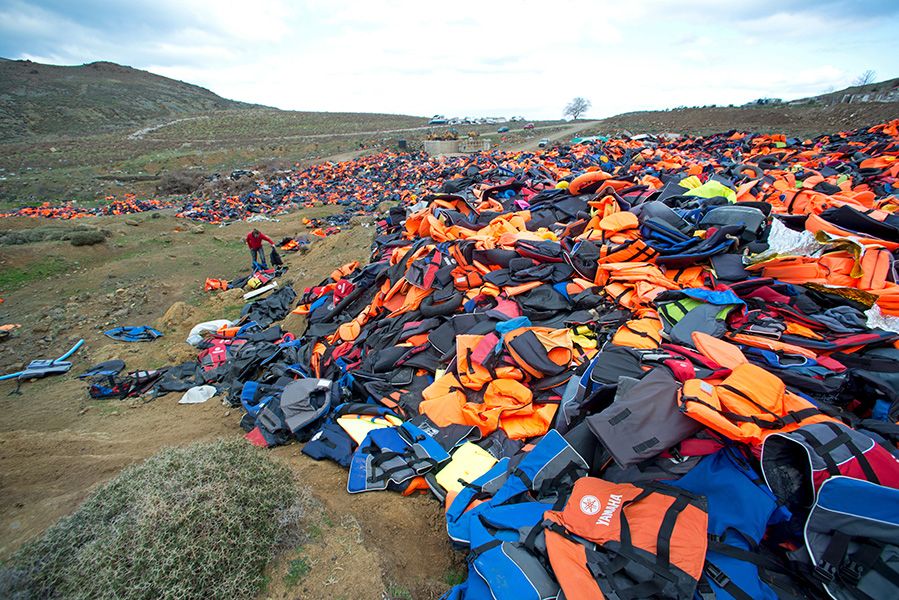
x=717, y=575
x=705, y=590
x=851, y=571
x=825, y=571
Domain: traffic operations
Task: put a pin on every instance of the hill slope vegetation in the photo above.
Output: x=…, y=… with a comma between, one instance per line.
x=38, y=99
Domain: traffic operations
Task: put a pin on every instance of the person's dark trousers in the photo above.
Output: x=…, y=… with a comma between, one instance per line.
x=258, y=255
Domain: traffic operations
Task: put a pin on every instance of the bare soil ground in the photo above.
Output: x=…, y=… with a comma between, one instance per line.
x=58, y=444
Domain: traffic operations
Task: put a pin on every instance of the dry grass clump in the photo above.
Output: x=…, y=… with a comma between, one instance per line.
x=199, y=521
x=79, y=235
x=86, y=238
x=180, y=182
x=44, y=233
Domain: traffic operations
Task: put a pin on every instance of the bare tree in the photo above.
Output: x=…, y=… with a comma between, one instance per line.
x=577, y=107
x=865, y=78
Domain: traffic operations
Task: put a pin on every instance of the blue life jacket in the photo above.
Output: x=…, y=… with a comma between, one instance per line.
x=393, y=455
x=544, y=473
x=740, y=509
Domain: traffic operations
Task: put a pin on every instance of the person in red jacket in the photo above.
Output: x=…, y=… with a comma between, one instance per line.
x=254, y=241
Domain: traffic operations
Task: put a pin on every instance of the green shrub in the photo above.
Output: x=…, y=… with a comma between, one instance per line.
x=87, y=238
x=297, y=570
x=199, y=521
x=47, y=233
x=13, y=238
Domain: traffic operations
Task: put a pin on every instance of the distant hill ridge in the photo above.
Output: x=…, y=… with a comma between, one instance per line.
x=39, y=100
x=880, y=91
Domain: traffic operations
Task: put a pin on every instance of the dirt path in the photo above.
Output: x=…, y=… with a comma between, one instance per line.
x=533, y=144
x=140, y=133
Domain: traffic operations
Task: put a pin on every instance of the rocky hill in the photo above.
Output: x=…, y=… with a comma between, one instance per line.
x=39, y=100
x=880, y=91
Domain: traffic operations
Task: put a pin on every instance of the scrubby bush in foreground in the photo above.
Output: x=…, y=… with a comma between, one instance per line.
x=193, y=522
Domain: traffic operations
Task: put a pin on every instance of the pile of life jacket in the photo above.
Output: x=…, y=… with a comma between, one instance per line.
x=628, y=369
x=129, y=204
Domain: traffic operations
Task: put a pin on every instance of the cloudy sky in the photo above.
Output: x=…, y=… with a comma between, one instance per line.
x=470, y=57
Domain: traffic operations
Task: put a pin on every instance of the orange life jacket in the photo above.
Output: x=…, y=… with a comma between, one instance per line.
x=834, y=268
x=215, y=284
x=642, y=333
x=548, y=350
x=748, y=405
x=474, y=375
x=758, y=341
x=507, y=405
x=815, y=223
x=662, y=526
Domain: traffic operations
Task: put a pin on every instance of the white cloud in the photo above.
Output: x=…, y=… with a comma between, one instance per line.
x=470, y=57
x=819, y=76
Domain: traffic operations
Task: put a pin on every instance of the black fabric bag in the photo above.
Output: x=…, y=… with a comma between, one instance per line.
x=275, y=257
x=752, y=220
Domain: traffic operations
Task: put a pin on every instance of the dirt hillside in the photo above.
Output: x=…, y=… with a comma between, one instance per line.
x=58, y=443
